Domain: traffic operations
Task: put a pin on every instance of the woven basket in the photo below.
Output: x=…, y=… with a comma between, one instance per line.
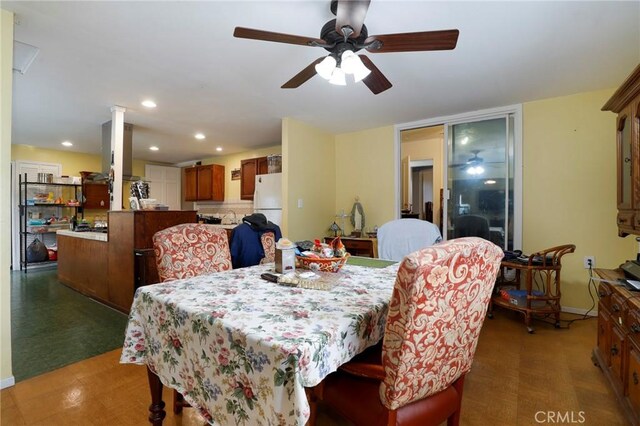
x=327, y=264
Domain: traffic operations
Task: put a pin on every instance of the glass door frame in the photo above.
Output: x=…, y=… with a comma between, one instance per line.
x=450, y=120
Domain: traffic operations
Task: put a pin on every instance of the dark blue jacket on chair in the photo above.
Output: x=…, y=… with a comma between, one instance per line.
x=246, y=244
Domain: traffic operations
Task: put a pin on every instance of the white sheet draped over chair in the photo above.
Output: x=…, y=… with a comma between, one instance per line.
x=398, y=238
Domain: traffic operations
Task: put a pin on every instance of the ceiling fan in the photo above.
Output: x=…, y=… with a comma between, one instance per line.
x=474, y=164
x=344, y=36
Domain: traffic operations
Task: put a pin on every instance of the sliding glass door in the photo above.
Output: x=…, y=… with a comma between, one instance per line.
x=480, y=180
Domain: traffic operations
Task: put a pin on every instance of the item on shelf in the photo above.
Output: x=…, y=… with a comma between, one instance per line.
x=37, y=251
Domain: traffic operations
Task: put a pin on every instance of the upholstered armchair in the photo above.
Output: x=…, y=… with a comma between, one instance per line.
x=399, y=237
x=189, y=250
x=268, y=240
x=416, y=376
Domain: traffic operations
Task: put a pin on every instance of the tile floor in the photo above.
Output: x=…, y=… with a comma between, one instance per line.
x=53, y=326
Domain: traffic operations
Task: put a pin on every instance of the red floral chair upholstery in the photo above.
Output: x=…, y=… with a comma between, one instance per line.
x=268, y=240
x=189, y=250
x=437, y=309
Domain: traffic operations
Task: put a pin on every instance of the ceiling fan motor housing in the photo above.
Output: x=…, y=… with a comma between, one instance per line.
x=336, y=40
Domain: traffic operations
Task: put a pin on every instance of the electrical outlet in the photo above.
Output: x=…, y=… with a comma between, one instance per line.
x=589, y=262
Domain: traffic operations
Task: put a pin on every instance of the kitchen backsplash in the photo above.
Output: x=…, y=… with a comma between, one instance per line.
x=228, y=211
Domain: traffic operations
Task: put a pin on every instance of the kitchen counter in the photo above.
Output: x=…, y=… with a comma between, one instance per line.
x=97, y=236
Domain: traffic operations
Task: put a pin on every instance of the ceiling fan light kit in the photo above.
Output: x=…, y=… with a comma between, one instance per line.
x=346, y=35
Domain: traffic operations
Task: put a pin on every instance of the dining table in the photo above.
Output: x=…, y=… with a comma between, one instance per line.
x=244, y=350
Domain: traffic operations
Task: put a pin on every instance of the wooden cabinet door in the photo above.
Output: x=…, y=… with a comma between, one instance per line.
x=191, y=184
x=205, y=183
x=635, y=149
x=604, y=334
x=617, y=351
x=624, y=159
x=633, y=377
x=262, y=165
x=248, y=171
x=96, y=196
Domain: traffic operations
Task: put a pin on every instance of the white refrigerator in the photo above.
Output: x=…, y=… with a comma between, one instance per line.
x=267, y=198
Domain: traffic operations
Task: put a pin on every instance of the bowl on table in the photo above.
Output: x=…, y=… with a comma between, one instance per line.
x=324, y=264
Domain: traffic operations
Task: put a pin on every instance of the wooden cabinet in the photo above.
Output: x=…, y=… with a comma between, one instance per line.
x=96, y=196
x=617, y=352
x=248, y=170
x=204, y=183
x=626, y=103
x=365, y=247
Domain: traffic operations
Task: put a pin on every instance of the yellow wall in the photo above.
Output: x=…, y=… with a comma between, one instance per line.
x=309, y=174
x=230, y=162
x=364, y=163
x=569, y=186
x=75, y=162
x=72, y=162
x=6, y=64
x=426, y=149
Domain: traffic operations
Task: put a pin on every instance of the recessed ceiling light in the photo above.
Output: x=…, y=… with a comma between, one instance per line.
x=149, y=104
x=199, y=136
x=154, y=148
x=67, y=143
x=219, y=148
x=489, y=182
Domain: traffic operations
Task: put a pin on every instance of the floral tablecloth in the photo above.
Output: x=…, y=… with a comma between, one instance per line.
x=243, y=349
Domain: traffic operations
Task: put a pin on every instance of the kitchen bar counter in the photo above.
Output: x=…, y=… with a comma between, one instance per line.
x=105, y=266
x=97, y=236
x=83, y=262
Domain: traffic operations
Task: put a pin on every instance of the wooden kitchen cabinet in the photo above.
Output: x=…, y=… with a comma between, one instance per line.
x=248, y=170
x=96, y=196
x=204, y=183
x=626, y=103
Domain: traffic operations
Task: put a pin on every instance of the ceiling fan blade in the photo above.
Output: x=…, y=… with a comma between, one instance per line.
x=415, y=42
x=303, y=75
x=352, y=14
x=253, y=34
x=376, y=81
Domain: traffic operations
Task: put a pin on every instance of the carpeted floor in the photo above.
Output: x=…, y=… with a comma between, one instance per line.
x=53, y=326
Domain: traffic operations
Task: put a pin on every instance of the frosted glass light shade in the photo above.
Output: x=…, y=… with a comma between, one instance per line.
x=326, y=67
x=338, y=78
x=352, y=64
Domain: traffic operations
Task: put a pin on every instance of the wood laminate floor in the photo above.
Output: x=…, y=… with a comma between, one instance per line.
x=517, y=379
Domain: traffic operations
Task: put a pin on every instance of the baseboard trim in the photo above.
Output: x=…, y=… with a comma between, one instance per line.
x=579, y=311
x=8, y=382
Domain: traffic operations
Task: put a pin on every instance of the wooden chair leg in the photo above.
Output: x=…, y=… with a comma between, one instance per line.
x=178, y=402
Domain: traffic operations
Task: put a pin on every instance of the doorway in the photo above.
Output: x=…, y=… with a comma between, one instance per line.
x=478, y=169
x=421, y=152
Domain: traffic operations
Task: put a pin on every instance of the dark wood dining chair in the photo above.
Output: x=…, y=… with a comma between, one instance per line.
x=189, y=250
x=416, y=375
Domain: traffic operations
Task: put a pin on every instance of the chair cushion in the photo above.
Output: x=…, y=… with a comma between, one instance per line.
x=437, y=308
x=191, y=249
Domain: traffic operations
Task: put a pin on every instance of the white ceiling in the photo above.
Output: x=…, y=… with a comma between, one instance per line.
x=182, y=54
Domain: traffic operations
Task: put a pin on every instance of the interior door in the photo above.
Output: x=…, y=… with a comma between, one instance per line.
x=407, y=190
x=164, y=184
